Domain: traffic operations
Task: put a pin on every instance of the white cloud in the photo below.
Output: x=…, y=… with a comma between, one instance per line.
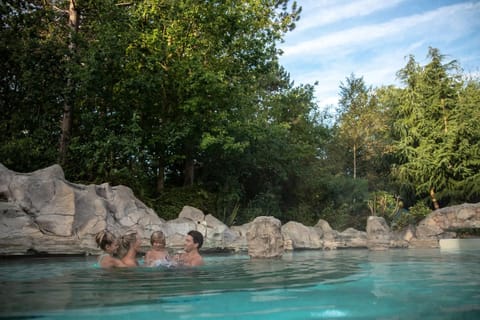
x=321, y=13
x=362, y=35
x=374, y=51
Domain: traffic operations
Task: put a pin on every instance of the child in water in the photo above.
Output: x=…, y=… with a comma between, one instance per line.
x=158, y=255
x=107, y=242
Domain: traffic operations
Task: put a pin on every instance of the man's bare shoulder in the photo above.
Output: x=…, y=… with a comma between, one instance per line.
x=197, y=260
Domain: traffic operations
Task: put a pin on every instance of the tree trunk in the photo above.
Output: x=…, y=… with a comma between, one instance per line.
x=67, y=119
x=189, y=172
x=445, y=119
x=66, y=133
x=354, y=161
x=161, y=177
x=434, y=200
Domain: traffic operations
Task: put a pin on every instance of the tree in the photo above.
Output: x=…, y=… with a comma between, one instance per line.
x=435, y=142
x=361, y=124
x=32, y=77
x=73, y=24
x=194, y=68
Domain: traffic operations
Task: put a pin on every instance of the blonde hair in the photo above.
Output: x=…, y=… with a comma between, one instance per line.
x=104, y=238
x=158, y=236
x=126, y=241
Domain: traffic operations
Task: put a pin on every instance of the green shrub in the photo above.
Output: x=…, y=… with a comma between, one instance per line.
x=412, y=216
x=171, y=201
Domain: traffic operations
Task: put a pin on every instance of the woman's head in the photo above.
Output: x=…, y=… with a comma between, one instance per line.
x=127, y=242
x=158, y=239
x=106, y=241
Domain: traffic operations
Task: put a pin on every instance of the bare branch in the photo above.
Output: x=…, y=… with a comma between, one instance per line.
x=60, y=10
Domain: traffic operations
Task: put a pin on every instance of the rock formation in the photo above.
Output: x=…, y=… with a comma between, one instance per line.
x=443, y=223
x=378, y=233
x=43, y=212
x=302, y=237
x=264, y=238
x=46, y=213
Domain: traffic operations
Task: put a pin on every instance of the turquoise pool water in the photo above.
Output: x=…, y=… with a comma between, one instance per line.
x=342, y=284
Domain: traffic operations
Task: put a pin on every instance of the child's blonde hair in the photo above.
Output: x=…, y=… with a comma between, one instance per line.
x=158, y=236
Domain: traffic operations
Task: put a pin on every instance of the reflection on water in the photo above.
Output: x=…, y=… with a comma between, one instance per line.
x=306, y=284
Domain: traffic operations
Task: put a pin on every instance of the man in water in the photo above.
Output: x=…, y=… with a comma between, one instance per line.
x=191, y=257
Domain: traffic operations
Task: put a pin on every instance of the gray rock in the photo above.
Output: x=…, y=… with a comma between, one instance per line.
x=264, y=238
x=378, y=233
x=240, y=242
x=442, y=223
x=301, y=237
x=351, y=238
x=329, y=236
x=192, y=213
x=48, y=214
x=43, y=212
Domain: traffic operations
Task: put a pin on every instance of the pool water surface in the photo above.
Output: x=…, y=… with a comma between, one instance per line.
x=339, y=284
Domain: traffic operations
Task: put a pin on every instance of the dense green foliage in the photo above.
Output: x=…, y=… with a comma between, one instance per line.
x=437, y=131
x=185, y=102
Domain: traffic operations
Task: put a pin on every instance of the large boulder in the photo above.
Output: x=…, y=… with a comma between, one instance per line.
x=351, y=238
x=443, y=223
x=192, y=213
x=329, y=236
x=176, y=229
x=42, y=212
x=264, y=237
x=378, y=233
x=217, y=236
x=402, y=238
x=302, y=237
x=17, y=230
x=240, y=242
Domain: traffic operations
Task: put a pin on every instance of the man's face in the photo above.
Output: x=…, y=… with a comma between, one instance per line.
x=189, y=244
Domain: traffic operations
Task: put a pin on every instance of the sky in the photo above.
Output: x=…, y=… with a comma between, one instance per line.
x=374, y=38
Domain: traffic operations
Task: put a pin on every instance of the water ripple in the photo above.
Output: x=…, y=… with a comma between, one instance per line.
x=313, y=284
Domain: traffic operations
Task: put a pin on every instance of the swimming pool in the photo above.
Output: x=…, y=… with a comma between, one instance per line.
x=339, y=284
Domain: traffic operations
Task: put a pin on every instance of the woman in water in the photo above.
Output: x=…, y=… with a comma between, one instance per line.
x=107, y=242
x=129, y=247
